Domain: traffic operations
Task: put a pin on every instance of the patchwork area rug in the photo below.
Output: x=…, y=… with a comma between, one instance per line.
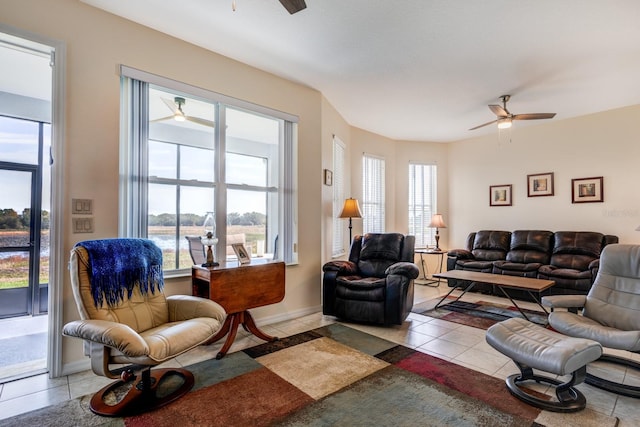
x=479, y=314
x=330, y=376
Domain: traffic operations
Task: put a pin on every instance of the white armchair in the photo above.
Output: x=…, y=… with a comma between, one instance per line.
x=127, y=319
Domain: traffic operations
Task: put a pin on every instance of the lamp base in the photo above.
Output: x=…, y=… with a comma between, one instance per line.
x=211, y=264
x=437, y=242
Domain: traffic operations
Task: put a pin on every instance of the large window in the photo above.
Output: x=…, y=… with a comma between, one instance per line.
x=373, y=196
x=338, y=197
x=422, y=199
x=194, y=161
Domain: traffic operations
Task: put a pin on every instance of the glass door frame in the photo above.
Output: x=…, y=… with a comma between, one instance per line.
x=13, y=298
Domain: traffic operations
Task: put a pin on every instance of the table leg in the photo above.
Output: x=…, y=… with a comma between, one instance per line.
x=230, y=326
x=424, y=268
x=467, y=289
x=516, y=305
x=429, y=282
x=250, y=326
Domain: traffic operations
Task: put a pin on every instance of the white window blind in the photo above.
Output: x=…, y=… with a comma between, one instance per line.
x=338, y=197
x=422, y=203
x=373, y=194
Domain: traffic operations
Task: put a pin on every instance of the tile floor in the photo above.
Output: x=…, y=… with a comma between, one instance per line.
x=456, y=343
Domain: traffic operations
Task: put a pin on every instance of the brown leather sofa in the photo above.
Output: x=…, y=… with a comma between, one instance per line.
x=570, y=258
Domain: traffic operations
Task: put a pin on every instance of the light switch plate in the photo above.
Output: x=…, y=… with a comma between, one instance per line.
x=82, y=225
x=82, y=206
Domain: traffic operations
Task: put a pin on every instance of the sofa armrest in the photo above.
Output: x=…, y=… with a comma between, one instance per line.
x=460, y=254
x=571, y=302
x=407, y=269
x=341, y=267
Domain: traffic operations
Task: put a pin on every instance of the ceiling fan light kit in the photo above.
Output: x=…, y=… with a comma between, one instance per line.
x=178, y=114
x=504, y=123
x=505, y=118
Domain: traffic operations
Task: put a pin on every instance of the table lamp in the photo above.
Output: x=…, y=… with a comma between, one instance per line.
x=351, y=209
x=437, y=222
x=208, y=240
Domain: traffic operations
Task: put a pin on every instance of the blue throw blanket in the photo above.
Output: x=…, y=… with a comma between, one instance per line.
x=117, y=265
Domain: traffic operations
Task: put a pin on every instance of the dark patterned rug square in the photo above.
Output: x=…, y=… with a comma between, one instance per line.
x=479, y=314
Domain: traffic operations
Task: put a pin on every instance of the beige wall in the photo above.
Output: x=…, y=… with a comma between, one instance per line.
x=605, y=144
x=96, y=43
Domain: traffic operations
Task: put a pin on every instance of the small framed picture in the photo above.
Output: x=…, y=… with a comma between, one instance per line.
x=328, y=177
x=500, y=195
x=241, y=252
x=540, y=184
x=587, y=190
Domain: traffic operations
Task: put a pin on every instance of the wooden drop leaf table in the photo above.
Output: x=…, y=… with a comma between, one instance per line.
x=238, y=288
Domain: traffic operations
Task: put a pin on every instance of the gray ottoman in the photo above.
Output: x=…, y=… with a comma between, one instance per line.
x=531, y=346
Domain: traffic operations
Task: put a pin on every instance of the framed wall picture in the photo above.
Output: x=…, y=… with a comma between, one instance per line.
x=587, y=190
x=540, y=184
x=241, y=252
x=328, y=177
x=500, y=195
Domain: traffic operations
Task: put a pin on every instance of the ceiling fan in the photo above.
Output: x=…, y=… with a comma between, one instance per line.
x=505, y=118
x=178, y=114
x=293, y=6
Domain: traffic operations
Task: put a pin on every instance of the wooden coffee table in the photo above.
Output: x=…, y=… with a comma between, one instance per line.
x=502, y=282
x=237, y=288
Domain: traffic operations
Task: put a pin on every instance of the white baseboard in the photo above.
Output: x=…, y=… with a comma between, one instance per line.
x=75, y=367
x=290, y=315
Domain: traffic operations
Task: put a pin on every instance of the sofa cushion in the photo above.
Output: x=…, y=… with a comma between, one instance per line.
x=530, y=246
x=586, y=243
x=360, y=288
x=472, y=265
x=491, y=245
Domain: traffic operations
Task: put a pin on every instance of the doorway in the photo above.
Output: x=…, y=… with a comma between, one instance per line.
x=25, y=204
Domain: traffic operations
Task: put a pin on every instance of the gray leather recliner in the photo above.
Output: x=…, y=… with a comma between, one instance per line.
x=610, y=312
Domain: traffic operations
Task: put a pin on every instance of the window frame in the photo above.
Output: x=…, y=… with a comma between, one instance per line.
x=420, y=174
x=134, y=177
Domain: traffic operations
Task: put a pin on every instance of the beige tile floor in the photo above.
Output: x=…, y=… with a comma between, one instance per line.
x=456, y=343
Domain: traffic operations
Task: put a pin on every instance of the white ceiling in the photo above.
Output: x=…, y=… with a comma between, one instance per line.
x=424, y=69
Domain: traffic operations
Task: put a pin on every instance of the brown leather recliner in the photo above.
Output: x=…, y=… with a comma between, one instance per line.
x=376, y=284
x=129, y=320
x=574, y=261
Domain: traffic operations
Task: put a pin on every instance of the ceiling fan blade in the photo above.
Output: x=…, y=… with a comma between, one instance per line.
x=482, y=125
x=161, y=119
x=203, y=122
x=534, y=116
x=169, y=103
x=498, y=110
x=293, y=6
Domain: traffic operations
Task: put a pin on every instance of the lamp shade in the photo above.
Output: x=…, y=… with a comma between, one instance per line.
x=437, y=221
x=351, y=209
